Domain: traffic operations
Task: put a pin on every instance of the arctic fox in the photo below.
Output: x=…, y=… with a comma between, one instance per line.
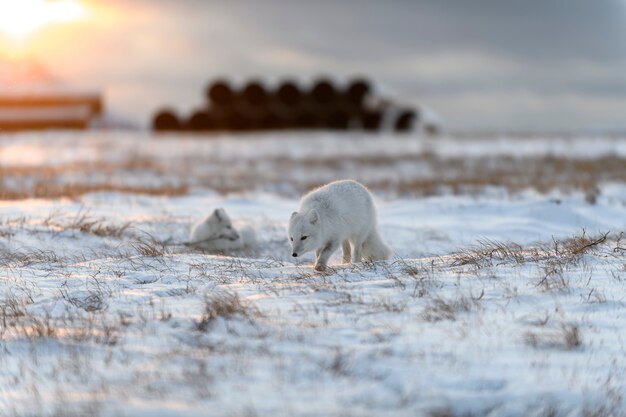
x=342, y=214
x=216, y=233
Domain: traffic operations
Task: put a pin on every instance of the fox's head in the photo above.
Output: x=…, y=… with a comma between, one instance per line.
x=303, y=232
x=220, y=226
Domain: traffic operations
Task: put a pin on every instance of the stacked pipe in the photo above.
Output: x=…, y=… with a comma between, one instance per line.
x=321, y=106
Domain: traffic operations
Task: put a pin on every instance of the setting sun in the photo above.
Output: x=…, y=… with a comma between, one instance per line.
x=23, y=17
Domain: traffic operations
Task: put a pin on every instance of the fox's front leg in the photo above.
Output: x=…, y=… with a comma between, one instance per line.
x=324, y=255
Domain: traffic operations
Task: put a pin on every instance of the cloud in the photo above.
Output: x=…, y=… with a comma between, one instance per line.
x=518, y=64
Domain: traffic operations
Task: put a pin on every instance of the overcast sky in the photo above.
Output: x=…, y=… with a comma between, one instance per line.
x=480, y=64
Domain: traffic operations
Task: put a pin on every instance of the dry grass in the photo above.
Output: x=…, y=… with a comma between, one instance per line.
x=386, y=289
x=389, y=305
x=17, y=322
x=440, y=309
x=553, y=260
x=50, y=190
x=49, y=171
x=84, y=223
x=100, y=228
x=567, y=337
x=149, y=247
x=340, y=364
x=29, y=257
x=471, y=175
x=563, y=252
x=50, y=181
x=70, y=327
x=95, y=301
x=579, y=245
x=448, y=412
x=11, y=308
x=490, y=252
x=224, y=305
x=467, y=175
x=514, y=175
x=33, y=327
x=566, y=254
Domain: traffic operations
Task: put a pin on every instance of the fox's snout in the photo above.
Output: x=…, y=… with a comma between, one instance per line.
x=296, y=249
x=230, y=234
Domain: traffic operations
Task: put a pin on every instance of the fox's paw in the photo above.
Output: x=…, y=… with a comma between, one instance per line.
x=320, y=267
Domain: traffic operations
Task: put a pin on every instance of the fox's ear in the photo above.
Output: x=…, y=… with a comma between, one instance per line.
x=313, y=216
x=218, y=213
x=294, y=214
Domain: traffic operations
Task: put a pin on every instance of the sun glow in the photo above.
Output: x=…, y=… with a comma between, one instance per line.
x=20, y=18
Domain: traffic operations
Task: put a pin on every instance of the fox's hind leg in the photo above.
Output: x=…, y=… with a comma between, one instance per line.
x=356, y=251
x=346, y=252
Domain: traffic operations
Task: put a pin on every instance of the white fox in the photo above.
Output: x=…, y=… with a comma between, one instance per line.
x=216, y=233
x=342, y=214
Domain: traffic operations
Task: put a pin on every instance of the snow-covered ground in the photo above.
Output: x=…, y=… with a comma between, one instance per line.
x=285, y=163
x=497, y=302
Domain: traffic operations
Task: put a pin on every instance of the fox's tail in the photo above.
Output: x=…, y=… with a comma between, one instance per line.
x=248, y=236
x=375, y=248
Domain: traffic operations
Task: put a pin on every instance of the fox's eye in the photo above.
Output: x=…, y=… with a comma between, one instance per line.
x=228, y=227
x=303, y=237
x=291, y=239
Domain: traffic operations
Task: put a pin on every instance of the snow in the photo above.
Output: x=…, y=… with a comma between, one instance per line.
x=67, y=147
x=419, y=334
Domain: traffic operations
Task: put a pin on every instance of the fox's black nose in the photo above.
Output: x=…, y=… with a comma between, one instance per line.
x=295, y=255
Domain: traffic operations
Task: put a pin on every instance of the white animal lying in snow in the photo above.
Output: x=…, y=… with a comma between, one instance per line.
x=216, y=233
x=342, y=214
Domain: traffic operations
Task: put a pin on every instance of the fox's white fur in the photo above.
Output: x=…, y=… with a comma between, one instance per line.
x=339, y=214
x=217, y=233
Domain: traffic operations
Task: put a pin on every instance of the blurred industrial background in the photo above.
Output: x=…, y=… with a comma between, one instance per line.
x=322, y=105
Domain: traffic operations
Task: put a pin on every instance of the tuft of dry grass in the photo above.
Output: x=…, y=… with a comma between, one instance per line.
x=386, y=304
x=441, y=309
x=12, y=310
x=24, y=258
x=34, y=327
x=603, y=410
x=92, y=302
x=85, y=224
x=564, y=254
x=99, y=227
x=341, y=363
x=149, y=247
x=70, y=326
x=579, y=245
x=567, y=337
x=491, y=252
x=224, y=305
x=553, y=258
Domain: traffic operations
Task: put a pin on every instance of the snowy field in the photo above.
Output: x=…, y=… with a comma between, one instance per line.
x=506, y=295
